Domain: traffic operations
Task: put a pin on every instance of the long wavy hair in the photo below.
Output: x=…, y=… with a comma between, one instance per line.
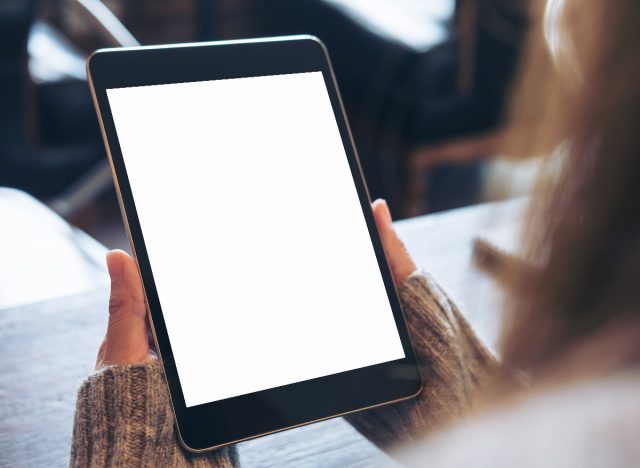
x=578, y=101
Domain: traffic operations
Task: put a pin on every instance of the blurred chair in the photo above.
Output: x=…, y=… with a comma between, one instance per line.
x=478, y=141
x=50, y=143
x=423, y=83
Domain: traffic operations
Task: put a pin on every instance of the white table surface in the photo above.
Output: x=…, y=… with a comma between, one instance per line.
x=48, y=345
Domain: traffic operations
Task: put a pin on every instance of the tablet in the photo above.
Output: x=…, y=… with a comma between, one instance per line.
x=269, y=296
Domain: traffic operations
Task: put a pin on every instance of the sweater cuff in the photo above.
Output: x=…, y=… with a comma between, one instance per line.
x=427, y=310
x=431, y=315
x=124, y=418
x=452, y=361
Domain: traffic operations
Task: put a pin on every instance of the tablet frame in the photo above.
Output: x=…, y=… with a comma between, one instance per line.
x=215, y=424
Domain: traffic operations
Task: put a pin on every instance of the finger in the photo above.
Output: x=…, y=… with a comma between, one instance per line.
x=126, y=287
x=126, y=340
x=399, y=259
x=100, y=358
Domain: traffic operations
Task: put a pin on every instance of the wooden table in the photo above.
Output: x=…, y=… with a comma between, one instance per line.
x=46, y=348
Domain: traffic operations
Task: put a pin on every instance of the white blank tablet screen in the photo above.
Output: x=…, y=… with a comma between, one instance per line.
x=259, y=249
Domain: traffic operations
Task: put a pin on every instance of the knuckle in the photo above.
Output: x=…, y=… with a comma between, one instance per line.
x=116, y=303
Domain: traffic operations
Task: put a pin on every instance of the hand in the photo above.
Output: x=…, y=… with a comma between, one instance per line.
x=128, y=337
x=399, y=259
x=127, y=340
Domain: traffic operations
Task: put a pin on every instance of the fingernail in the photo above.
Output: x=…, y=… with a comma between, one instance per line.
x=114, y=265
x=387, y=213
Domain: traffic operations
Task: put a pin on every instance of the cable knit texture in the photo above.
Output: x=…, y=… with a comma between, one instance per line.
x=124, y=418
x=454, y=364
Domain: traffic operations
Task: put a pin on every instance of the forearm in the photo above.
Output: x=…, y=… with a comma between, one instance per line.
x=124, y=418
x=454, y=364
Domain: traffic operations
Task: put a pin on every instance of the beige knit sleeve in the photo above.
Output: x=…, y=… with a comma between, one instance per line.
x=124, y=418
x=454, y=365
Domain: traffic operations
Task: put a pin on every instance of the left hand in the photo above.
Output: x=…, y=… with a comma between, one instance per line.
x=128, y=337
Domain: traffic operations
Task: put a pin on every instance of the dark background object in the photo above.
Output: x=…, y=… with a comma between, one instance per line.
x=48, y=130
x=399, y=99
x=402, y=101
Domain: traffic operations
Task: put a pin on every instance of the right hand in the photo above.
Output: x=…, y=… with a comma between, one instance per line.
x=399, y=259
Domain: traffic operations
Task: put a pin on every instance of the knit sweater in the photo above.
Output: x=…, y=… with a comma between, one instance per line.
x=124, y=418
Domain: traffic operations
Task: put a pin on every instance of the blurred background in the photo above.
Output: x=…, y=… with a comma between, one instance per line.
x=425, y=85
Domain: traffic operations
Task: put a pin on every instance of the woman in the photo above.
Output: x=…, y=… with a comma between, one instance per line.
x=567, y=391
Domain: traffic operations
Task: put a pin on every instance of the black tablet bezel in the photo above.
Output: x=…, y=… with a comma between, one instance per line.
x=218, y=423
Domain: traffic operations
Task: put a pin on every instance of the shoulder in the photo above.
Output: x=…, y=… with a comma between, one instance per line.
x=586, y=424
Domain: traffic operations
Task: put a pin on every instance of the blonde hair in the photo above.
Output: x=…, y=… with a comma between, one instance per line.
x=579, y=96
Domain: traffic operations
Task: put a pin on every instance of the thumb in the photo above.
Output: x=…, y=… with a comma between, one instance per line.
x=400, y=261
x=126, y=341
